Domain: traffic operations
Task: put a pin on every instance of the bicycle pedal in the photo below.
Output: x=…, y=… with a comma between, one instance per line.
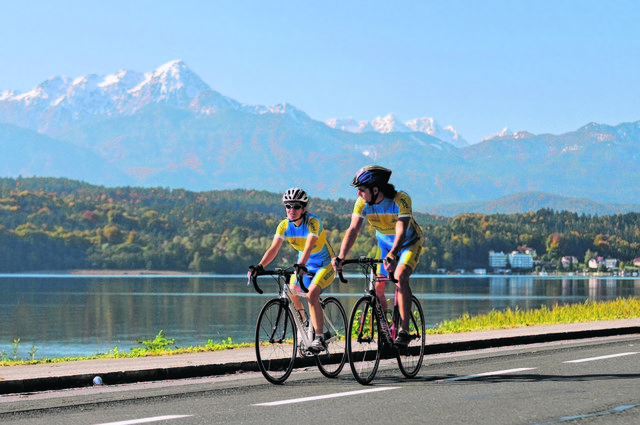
x=305, y=352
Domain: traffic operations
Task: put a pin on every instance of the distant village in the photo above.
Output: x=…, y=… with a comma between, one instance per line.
x=518, y=262
x=525, y=263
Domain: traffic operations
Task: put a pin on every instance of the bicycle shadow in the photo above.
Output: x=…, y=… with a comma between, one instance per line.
x=523, y=377
x=531, y=377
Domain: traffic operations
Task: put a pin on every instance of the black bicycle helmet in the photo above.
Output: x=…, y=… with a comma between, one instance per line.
x=295, y=195
x=371, y=175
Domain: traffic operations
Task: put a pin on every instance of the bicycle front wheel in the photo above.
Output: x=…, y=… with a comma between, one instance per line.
x=410, y=357
x=332, y=360
x=363, y=341
x=275, y=341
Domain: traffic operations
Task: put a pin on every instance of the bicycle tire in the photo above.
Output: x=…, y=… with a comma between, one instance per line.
x=410, y=357
x=331, y=361
x=275, y=341
x=363, y=341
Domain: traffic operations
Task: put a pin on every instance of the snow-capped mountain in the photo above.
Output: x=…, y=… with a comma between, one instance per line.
x=61, y=102
x=350, y=125
x=172, y=83
x=392, y=124
x=505, y=132
x=432, y=128
x=389, y=124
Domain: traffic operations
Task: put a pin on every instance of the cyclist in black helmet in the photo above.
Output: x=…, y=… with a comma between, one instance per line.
x=304, y=232
x=399, y=236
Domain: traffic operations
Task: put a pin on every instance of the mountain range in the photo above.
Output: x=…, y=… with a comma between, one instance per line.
x=532, y=201
x=169, y=128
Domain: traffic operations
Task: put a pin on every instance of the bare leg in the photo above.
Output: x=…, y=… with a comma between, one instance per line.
x=315, y=310
x=380, y=284
x=298, y=304
x=402, y=274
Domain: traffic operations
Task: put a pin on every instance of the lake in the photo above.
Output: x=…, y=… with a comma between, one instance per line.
x=71, y=315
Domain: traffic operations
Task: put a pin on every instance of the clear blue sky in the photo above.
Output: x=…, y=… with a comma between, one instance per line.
x=541, y=66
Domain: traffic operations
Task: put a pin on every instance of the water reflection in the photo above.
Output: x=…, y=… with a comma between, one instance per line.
x=66, y=315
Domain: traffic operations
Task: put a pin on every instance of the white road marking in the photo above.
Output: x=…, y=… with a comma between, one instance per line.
x=146, y=420
x=590, y=359
x=322, y=397
x=498, y=372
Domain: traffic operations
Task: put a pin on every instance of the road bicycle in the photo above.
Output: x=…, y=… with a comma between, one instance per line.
x=281, y=331
x=370, y=334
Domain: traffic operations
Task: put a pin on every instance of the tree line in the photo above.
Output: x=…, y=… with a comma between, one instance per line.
x=54, y=224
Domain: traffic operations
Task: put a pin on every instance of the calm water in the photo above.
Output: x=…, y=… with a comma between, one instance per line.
x=63, y=315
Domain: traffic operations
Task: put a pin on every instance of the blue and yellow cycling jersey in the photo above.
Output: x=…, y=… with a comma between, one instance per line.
x=321, y=253
x=384, y=216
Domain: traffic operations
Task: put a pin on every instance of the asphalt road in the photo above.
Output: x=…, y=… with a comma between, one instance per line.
x=590, y=381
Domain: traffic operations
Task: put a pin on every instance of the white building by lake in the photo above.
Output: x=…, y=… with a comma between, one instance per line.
x=516, y=260
x=521, y=261
x=498, y=260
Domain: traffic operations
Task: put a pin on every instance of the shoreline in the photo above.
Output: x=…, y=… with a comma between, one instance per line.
x=136, y=272
x=144, y=272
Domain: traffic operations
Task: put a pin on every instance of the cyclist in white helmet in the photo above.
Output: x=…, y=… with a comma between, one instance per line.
x=389, y=212
x=306, y=235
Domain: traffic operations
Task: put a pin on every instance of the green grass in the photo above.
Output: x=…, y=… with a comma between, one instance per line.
x=159, y=346
x=589, y=311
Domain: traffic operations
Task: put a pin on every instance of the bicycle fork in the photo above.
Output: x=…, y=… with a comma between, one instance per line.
x=277, y=329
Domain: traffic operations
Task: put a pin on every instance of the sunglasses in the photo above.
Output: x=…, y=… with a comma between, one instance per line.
x=295, y=207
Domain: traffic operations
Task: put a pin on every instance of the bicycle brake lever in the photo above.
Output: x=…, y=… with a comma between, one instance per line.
x=299, y=278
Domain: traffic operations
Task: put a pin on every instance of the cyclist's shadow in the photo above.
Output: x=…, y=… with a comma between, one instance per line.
x=524, y=377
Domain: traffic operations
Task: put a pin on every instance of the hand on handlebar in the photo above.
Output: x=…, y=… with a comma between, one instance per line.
x=300, y=269
x=254, y=270
x=337, y=264
x=252, y=276
x=337, y=267
x=390, y=263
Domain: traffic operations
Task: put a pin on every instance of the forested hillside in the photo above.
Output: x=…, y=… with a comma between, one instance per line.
x=49, y=224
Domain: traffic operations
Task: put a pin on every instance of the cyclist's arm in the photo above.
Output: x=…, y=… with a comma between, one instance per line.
x=351, y=235
x=272, y=251
x=391, y=260
x=401, y=233
x=405, y=214
x=311, y=242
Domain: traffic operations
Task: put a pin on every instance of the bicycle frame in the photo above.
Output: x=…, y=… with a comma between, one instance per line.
x=371, y=278
x=288, y=327
x=369, y=331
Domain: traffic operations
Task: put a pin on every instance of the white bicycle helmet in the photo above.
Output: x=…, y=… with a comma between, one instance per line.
x=295, y=195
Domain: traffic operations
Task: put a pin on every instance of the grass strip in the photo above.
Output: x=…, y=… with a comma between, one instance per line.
x=589, y=311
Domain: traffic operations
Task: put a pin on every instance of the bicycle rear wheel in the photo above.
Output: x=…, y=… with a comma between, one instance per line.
x=410, y=357
x=363, y=341
x=275, y=341
x=332, y=360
